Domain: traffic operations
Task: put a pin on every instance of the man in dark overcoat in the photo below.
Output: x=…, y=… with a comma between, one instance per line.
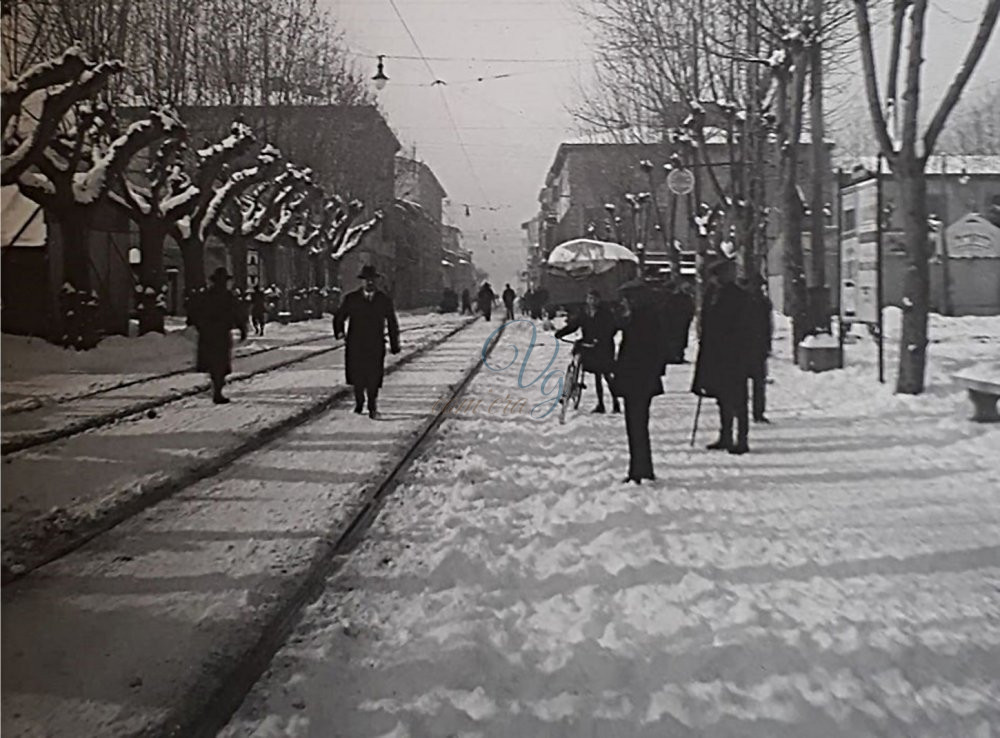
x=370, y=314
x=761, y=325
x=723, y=364
x=258, y=310
x=508, y=302
x=216, y=312
x=598, y=326
x=642, y=359
x=485, y=300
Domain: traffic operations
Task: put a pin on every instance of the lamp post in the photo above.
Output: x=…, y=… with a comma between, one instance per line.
x=379, y=79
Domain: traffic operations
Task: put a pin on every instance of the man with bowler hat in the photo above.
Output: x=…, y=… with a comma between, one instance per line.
x=370, y=313
x=216, y=313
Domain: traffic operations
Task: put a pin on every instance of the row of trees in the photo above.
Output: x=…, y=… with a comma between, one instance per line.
x=66, y=149
x=748, y=75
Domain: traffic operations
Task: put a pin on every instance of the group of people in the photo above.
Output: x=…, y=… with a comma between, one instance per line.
x=368, y=311
x=736, y=332
x=735, y=342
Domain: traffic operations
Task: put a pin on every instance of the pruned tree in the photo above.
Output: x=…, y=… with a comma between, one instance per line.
x=154, y=204
x=199, y=186
x=908, y=153
x=67, y=162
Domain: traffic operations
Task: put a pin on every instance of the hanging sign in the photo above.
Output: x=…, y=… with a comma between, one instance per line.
x=680, y=181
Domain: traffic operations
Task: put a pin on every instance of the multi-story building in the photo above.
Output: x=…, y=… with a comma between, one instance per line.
x=585, y=195
x=418, y=232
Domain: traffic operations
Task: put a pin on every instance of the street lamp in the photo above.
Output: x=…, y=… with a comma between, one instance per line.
x=380, y=79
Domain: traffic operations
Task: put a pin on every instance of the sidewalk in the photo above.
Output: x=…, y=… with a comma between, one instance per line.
x=57, y=493
x=138, y=630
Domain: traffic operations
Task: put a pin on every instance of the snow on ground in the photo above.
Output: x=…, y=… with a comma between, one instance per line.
x=34, y=369
x=843, y=579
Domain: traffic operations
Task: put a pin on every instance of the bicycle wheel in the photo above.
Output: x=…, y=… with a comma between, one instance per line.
x=568, y=389
x=578, y=385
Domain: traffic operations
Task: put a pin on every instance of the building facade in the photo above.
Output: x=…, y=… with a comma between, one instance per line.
x=963, y=207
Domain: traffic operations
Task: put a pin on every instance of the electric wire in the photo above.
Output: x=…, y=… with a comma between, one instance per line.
x=444, y=99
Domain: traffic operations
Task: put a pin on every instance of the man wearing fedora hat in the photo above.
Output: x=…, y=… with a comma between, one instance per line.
x=216, y=312
x=370, y=313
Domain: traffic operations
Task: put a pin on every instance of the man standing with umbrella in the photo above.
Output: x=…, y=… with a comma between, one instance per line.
x=370, y=313
x=723, y=364
x=216, y=312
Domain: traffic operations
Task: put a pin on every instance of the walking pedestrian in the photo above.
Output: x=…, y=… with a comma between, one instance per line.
x=508, y=302
x=466, y=302
x=370, y=314
x=640, y=364
x=761, y=324
x=485, y=300
x=258, y=310
x=216, y=312
x=597, y=324
x=722, y=368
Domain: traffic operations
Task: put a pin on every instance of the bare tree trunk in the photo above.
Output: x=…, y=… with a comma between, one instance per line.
x=193, y=256
x=152, y=275
x=912, y=184
x=79, y=305
x=237, y=248
x=796, y=294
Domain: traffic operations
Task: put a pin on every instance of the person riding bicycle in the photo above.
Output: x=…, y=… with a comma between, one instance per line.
x=598, y=325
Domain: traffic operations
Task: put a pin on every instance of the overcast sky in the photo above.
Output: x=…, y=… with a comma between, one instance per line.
x=491, y=142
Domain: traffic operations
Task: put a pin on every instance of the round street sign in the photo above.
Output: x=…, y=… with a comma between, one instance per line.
x=680, y=181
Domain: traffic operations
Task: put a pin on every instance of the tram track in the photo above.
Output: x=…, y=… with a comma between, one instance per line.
x=18, y=407
x=32, y=439
x=219, y=708
x=56, y=533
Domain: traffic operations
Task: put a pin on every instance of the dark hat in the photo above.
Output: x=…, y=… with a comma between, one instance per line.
x=220, y=275
x=368, y=272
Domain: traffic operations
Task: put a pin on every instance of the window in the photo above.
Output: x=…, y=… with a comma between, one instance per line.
x=850, y=220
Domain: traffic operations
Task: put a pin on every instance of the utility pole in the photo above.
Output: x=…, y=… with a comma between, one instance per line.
x=820, y=302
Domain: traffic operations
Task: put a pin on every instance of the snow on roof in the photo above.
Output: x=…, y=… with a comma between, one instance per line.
x=957, y=164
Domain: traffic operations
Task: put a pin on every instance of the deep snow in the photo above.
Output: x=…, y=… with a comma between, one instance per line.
x=843, y=579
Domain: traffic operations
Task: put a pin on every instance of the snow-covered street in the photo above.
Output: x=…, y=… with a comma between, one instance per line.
x=843, y=579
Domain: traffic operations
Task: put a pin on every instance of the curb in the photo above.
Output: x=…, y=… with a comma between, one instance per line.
x=54, y=534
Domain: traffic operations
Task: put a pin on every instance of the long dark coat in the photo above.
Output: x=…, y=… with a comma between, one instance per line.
x=485, y=298
x=368, y=322
x=724, y=351
x=642, y=355
x=761, y=327
x=679, y=314
x=599, y=329
x=216, y=313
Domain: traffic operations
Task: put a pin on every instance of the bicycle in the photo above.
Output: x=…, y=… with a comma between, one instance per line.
x=573, y=385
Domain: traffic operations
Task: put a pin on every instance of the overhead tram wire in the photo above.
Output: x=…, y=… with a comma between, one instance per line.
x=444, y=99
